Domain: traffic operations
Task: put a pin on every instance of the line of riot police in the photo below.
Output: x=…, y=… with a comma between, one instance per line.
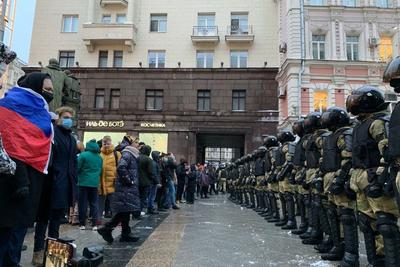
x=342, y=175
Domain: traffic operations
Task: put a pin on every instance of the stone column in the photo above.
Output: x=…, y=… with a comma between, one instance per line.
x=90, y=11
x=130, y=14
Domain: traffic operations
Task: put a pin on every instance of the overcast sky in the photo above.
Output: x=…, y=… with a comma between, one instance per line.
x=23, y=28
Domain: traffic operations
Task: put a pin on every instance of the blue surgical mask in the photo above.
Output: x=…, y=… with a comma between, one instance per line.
x=67, y=123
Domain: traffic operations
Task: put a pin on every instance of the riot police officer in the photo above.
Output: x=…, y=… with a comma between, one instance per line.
x=336, y=163
x=286, y=189
x=298, y=175
x=272, y=144
x=377, y=209
x=259, y=173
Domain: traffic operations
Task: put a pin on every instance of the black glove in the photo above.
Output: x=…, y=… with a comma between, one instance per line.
x=374, y=188
x=292, y=179
x=318, y=184
x=349, y=192
x=336, y=188
x=21, y=193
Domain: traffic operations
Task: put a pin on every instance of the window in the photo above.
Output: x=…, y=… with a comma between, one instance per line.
x=154, y=99
x=352, y=47
x=99, y=98
x=318, y=46
x=238, y=100
x=156, y=59
x=382, y=3
x=114, y=99
x=320, y=100
x=203, y=100
x=349, y=2
x=103, y=58
x=206, y=25
x=106, y=19
x=118, y=56
x=239, y=24
x=239, y=59
x=205, y=59
x=67, y=59
x=121, y=18
x=316, y=2
x=70, y=23
x=158, y=23
x=385, y=49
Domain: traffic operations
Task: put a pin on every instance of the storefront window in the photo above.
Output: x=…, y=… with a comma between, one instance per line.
x=320, y=100
x=157, y=141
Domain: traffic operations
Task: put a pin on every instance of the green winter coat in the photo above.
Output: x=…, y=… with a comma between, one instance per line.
x=90, y=165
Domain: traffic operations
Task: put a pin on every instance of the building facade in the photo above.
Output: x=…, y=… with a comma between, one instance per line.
x=196, y=78
x=342, y=45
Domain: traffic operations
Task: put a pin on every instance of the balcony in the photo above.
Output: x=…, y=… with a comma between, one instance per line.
x=109, y=34
x=239, y=34
x=123, y=3
x=205, y=34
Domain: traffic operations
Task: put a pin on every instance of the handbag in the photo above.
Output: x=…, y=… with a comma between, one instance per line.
x=7, y=165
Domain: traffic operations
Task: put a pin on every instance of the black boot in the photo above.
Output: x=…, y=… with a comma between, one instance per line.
x=284, y=218
x=337, y=251
x=350, y=233
x=106, y=233
x=267, y=204
x=275, y=210
x=369, y=240
x=291, y=223
x=387, y=227
x=327, y=243
x=252, y=203
x=296, y=198
x=303, y=223
x=316, y=233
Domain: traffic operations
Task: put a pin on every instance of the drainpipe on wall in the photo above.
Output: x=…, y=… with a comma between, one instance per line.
x=302, y=56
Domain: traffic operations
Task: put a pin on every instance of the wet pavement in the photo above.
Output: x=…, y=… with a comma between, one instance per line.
x=212, y=232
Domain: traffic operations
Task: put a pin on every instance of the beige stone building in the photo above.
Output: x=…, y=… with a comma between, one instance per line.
x=156, y=33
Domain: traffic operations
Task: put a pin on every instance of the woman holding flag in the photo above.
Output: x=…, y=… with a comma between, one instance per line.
x=27, y=133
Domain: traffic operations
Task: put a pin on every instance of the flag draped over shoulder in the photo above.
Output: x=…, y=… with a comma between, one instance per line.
x=25, y=127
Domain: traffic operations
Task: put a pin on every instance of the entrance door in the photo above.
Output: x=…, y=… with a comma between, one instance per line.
x=219, y=148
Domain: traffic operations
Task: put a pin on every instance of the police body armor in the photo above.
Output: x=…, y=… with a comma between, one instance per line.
x=299, y=156
x=394, y=133
x=267, y=162
x=365, y=149
x=312, y=152
x=280, y=157
x=259, y=169
x=331, y=156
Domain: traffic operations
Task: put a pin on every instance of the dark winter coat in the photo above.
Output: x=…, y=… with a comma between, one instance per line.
x=156, y=167
x=145, y=167
x=126, y=195
x=204, y=179
x=191, y=180
x=181, y=174
x=20, y=212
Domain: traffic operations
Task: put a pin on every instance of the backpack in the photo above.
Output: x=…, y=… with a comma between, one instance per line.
x=116, y=158
x=7, y=165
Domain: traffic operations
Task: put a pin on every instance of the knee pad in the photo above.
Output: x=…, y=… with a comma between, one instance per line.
x=364, y=222
x=347, y=216
x=387, y=225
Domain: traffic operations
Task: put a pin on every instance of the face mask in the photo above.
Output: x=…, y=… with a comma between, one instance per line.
x=48, y=96
x=67, y=123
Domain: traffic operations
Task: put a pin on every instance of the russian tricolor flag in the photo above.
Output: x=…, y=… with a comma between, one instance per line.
x=26, y=128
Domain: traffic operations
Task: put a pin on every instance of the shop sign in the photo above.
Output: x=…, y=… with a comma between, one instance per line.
x=152, y=124
x=103, y=124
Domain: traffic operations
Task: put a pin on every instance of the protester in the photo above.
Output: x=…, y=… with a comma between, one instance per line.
x=181, y=175
x=191, y=179
x=60, y=187
x=212, y=176
x=146, y=175
x=26, y=132
x=204, y=183
x=156, y=183
x=126, y=197
x=168, y=172
x=108, y=174
x=89, y=171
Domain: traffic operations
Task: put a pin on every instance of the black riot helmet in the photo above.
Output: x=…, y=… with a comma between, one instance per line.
x=366, y=99
x=312, y=122
x=334, y=118
x=392, y=74
x=285, y=136
x=298, y=128
x=270, y=141
x=261, y=151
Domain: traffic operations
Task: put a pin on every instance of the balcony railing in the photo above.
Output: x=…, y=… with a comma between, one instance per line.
x=103, y=3
x=239, y=33
x=354, y=3
x=205, y=34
